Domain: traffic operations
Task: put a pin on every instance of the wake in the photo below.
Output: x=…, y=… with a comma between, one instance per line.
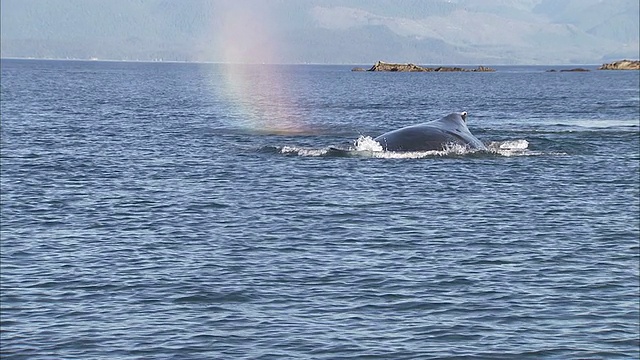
x=366, y=147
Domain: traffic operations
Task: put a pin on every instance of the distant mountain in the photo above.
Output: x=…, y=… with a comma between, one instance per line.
x=324, y=31
x=505, y=32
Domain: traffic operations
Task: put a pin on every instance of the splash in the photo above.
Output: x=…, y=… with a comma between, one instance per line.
x=256, y=91
x=518, y=147
x=302, y=151
x=366, y=143
x=520, y=144
x=367, y=147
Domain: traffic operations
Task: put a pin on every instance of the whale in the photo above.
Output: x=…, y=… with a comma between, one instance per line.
x=435, y=135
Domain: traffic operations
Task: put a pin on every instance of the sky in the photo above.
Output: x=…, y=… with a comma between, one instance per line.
x=324, y=31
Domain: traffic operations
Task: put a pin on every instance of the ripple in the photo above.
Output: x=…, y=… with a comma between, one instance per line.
x=156, y=230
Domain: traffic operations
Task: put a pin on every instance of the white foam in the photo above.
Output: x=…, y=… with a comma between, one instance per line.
x=405, y=155
x=518, y=147
x=457, y=149
x=366, y=143
x=365, y=146
x=449, y=149
x=302, y=151
x=520, y=144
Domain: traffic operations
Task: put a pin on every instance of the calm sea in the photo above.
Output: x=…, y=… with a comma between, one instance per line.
x=199, y=211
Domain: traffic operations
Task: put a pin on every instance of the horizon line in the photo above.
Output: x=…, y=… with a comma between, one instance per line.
x=288, y=64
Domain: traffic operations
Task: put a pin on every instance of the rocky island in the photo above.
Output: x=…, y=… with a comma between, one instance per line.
x=570, y=70
x=393, y=67
x=621, y=65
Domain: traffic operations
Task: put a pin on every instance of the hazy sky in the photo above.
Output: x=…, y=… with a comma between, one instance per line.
x=324, y=31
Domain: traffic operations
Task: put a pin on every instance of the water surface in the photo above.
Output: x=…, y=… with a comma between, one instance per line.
x=198, y=211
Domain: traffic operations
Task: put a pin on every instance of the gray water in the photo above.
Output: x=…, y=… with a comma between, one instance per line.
x=200, y=211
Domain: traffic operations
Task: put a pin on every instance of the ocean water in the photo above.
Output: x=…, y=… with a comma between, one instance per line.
x=201, y=211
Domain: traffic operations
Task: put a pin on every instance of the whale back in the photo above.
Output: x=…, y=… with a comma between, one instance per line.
x=456, y=124
x=434, y=135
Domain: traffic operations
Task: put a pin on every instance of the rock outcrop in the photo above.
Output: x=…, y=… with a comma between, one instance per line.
x=383, y=66
x=574, y=70
x=621, y=65
x=570, y=70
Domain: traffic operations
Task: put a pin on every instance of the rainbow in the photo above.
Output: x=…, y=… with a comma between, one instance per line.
x=255, y=88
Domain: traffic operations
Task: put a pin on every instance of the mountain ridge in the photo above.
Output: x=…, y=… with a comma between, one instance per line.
x=324, y=31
